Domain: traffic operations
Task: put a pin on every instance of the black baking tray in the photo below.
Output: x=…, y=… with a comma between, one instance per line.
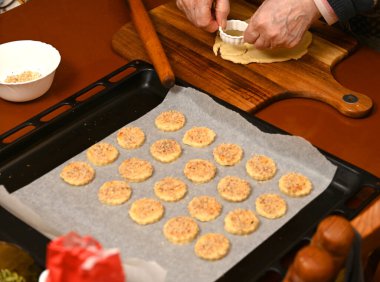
x=123, y=96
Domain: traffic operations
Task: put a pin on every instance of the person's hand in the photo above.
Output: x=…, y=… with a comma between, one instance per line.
x=200, y=13
x=280, y=23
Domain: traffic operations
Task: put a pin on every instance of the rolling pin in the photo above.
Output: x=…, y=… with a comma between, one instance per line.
x=151, y=42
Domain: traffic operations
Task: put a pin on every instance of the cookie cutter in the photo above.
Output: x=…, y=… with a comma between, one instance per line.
x=233, y=25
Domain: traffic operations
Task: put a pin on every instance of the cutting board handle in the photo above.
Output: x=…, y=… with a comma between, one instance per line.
x=350, y=103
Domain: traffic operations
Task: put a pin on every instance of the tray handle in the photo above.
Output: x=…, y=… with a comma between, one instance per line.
x=52, y=114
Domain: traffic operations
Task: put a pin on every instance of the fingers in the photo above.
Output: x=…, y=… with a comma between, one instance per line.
x=199, y=12
x=203, y=17
x=280, y=23
x=222, y=9
x=260, y=41
x=250, y=35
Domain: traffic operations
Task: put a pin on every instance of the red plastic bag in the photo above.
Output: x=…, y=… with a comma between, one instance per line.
x=82, y=259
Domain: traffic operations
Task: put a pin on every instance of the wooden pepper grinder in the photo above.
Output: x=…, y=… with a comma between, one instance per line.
x=326, y=254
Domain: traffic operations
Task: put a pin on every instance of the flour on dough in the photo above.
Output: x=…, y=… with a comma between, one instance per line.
x=247, y=53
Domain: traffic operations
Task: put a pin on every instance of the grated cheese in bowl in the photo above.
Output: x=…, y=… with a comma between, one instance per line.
x=27, y=69
x=22, y=77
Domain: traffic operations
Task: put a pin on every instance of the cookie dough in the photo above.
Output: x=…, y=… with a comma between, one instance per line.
x=228, y=154
x=295, y=184
x=181, y=229
x=170, y=189
x=145, y=211
x=135, y=169
x=130, y=137
x=170, y=120
x=241, y=222
x=204, y=208
x=166, y=150
x=115, y=192
x=199, y=171
x=199, y=137
x=212, y=246
x=270, y=206
x=261, y=167
x=234, y=189
x=102, y=153
x=77, y=173
x=247, y=53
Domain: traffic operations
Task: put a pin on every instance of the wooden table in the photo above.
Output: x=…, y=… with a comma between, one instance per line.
x=82, y=32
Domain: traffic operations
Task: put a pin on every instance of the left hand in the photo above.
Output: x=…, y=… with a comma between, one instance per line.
x=280, y=23
x=200, y=13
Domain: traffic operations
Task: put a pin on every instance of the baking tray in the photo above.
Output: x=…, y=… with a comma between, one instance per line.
x=119, y=98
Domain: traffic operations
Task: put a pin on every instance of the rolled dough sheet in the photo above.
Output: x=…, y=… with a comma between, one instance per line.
x=247, y=53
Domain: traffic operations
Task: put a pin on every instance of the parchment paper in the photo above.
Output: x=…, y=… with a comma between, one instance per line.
x=68, y=208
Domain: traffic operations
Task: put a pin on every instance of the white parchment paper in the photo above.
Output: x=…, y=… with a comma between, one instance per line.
x=67, y=208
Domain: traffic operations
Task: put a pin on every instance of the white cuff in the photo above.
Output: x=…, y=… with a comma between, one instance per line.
x=326, y=11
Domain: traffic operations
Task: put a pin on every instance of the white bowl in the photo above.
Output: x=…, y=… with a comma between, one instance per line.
x=43, y=276
x=234, y=25
x=17, y=57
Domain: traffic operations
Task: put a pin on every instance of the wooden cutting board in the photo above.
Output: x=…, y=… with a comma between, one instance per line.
x=252, y=86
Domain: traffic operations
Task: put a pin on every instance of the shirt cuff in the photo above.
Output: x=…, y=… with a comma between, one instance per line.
x=326, y=11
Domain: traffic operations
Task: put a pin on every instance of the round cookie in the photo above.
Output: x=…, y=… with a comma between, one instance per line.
x=261, y=167
x=170, y=189
x=228, y=154
x=181, y=229
x=199, y=171
x=212, y=246
x=241, y=222
x=170, y=120
x=130, y=137
x=102, y=153
x=270, y=206
x=77, y=173
x=204, y=208
x=199, y=137
x=145, y=211
x=234, y=189
x=135, y=169
x=114, y=192
x=165, y=150
x=295, y=184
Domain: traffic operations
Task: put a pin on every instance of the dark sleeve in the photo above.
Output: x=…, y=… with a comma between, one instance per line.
x=346, y=9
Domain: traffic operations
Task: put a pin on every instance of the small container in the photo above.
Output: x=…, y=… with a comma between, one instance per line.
x=233, y=33
x=44, y=275
x=27, y=69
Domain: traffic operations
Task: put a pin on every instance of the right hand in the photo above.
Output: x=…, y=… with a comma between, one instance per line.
x=199, y=12
x=280, y=23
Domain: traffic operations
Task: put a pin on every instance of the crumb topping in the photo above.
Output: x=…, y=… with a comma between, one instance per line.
x=25, y=76
x=204, y=208
x=228, y=154
x=234, y=188
x=130, y=137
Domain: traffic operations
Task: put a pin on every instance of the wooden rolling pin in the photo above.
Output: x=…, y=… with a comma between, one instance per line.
x=151, y=42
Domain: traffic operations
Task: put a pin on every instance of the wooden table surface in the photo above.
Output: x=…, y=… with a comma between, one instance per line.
x=82, y=32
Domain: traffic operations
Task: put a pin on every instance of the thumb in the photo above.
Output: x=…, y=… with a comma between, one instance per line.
x=222, y=9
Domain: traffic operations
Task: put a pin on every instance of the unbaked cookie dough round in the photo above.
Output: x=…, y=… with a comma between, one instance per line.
x=247, y=53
